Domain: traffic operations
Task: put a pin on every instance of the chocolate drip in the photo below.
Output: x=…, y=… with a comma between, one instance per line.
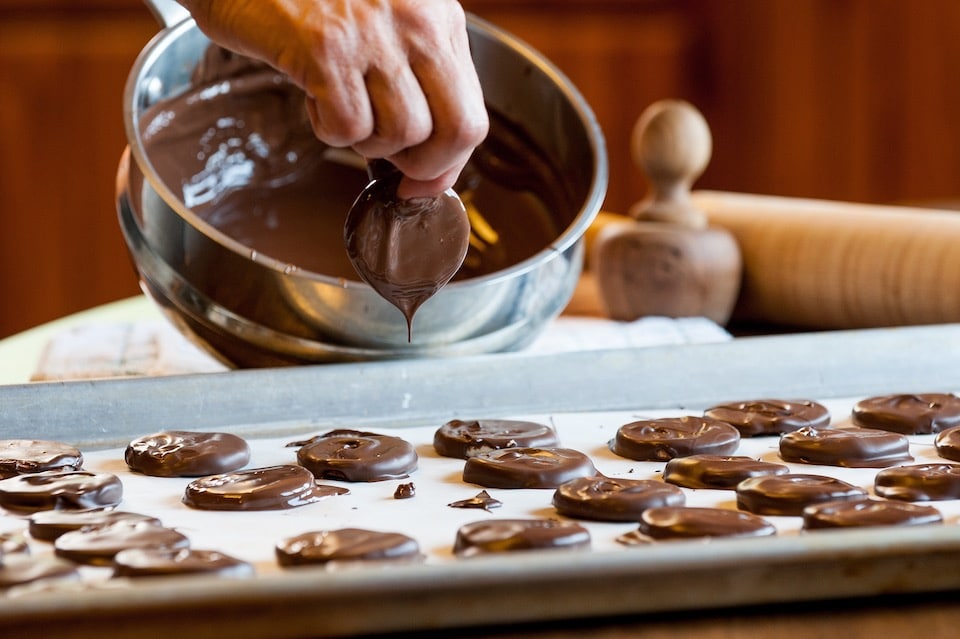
x=407, y=250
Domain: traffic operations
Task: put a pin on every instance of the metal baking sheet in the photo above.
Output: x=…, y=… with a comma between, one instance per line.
x=495, y=590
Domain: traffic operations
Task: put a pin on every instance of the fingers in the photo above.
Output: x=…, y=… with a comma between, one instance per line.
x=340, y=120
x=414, y=98
x=401, y=113
x=441, y=61
x=411, y=188
x=460, y=123
x=391, y=80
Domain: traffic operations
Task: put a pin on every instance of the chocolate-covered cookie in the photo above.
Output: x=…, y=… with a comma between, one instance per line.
x=919, y=482
x=868, y=512
x=717, y=471
x=21, y=456
x=790, y=494
x=346, y=545
x=269, y=488
x=669, y=437
x=163, y=562
x=947, y=443
x=351, y=455
x=98, y=546
x=24, y=569
x=510, y=535
x=609, y=499
x=465, y=438
x=527, y=467
x=66, y=490
x=770, y=416
x=671, y=522
x=849, y=447
x=47, y=525
x=179, y=453
x=908, y=414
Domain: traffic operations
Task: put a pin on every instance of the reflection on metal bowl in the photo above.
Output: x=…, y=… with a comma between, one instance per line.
x=251, y=309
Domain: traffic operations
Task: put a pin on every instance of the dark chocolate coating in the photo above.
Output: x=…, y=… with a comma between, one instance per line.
x=465, y=438
x=608, y=499
x=97, y=546
x=717, y=471
x=178, y=453
x=346, y=545
x=849, y=447
x=919, y=482
x=22, y=456
x=947, y=443
x=670, y=522
x=163, y=562
x=270, y=488
x=47, y=525
x=770, y=416
x=509, y=535
x=666, y=438
x=480, y=500
x=24, y=569
x=405, y=491
x=790, y=494
x=405, y=249
x=61, y=490
x=868, y=512
x=527, y=468
x=351, y=455
x=908, y=414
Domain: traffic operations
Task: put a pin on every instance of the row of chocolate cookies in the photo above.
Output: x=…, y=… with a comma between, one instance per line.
x=223, y=484
x=506, y=453
x=75, y=510
x=698, y=453
x=488, y=465
x=498, y=454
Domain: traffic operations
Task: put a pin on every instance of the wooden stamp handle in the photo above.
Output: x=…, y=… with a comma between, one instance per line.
x=671, y=145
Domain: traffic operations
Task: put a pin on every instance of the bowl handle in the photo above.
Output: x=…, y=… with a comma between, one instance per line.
x=167, y=12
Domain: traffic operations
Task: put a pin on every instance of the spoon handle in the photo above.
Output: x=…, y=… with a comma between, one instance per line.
x=380, y=169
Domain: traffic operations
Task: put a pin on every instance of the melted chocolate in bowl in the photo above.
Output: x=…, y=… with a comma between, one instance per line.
x=238, y=150
x=240, y=270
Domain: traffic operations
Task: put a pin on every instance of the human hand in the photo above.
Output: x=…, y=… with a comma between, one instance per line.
x=389, y=78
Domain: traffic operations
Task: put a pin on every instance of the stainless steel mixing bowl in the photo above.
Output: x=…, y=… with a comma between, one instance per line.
x=253, y=310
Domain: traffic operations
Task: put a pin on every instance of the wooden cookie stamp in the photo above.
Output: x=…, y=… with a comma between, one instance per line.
x=667, y=260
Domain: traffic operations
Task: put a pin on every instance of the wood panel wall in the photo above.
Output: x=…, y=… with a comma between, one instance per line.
x=843, y=99
x=61, y=136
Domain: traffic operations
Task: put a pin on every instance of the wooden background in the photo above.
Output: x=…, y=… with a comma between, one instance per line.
x=842, y=99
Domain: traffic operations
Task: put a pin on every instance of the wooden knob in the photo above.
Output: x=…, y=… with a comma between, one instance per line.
x=671, y=144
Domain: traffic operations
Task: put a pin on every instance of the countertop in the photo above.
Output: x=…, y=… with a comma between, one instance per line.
x=929, y=617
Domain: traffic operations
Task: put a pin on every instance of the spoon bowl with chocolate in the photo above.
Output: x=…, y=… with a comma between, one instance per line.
x=234, y=213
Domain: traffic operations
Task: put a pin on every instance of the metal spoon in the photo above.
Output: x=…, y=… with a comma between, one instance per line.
x=405, y=249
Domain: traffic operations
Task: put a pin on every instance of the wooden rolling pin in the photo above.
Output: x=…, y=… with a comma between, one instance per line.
x=825, y=264
x=805, y=263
